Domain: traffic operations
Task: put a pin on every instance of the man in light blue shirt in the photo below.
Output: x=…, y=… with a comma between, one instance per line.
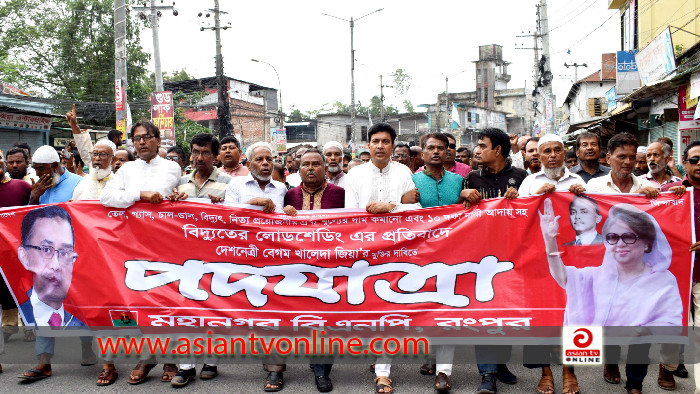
x=55, y=183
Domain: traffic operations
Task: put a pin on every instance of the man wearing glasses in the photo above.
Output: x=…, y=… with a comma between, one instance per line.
x=450, y=164
x=46, y=250
x=91, y=186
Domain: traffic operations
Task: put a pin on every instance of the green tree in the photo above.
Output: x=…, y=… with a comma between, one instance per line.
x=402, y=81
x=65, y=49
x=408, y=106
x=296, y=115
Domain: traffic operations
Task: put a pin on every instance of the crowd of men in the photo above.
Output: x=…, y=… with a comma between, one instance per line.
x=390, y=177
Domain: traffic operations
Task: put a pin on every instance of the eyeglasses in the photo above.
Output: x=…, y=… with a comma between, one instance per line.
x=172, y=158
x=628, y=238
x=144, y=138
x=452, y=146
x=694, y=160
x=205, y=153
x=101, y=155
x=47, y=252
x=403, y=156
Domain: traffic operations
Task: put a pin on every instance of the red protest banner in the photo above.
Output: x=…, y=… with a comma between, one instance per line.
x=195, y=264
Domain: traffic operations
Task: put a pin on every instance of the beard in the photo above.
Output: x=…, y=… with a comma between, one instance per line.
x=99, y=174
x=654, y=167
x=334, y=169
x=54, y=179
x=554, y=173
x=259, y=177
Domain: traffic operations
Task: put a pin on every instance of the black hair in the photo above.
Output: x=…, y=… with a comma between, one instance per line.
x=228, y=139
x=23, y=145
x=585, y=197
x=179, y=151
x=279, y=168
x=206, y=139
x=17, y=150
x=497, y=137
x=78, y=160
x=114, y=134
x=685, y=151
x=665, y=140
x=148, y=125
x=314, y=150
x=622, y=139
x=586, y=134
x=438, y=136
x=402, y=145
x=570, y=154
x=347, y=157
x=48, y=212
x=379, y=127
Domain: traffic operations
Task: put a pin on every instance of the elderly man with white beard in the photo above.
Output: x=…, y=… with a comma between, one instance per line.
x=658, y=156
x=554, y=176
x=333, y=152
x=100, y=172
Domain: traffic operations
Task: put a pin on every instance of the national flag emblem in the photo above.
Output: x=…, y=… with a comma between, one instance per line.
x=124, y=318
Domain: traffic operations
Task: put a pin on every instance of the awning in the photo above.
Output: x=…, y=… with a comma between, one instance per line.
x=201, y=115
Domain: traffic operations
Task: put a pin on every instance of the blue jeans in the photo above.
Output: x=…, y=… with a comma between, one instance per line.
x=487, y=357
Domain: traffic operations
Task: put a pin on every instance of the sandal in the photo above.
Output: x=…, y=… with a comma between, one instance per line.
x=570, y=383
x=169, y=372
x=29, y=336
x=107, y=376
x=611, y=373
x=383, y=386
x=140, y=372
x=35, y=374
x=546, y=385
x=427, y=369
x=442, y=382
x=274, y=379
x=371, y=368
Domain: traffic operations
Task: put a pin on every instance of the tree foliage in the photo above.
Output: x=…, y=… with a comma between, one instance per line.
x=65, y=49
x=402, y=81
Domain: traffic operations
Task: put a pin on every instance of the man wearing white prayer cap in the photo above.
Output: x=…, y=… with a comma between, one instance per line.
x=333, y=152
x=102, y=157
x=554, y=176
x=55, y=183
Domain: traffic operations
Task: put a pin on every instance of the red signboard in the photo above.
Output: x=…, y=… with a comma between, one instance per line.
x=163, y=114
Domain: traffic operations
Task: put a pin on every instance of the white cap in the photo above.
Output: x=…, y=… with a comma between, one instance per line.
x=107, y=143
x=45, y=155
x=642, y=149
x=333, y=144
x=549, y=138
x=252, y=148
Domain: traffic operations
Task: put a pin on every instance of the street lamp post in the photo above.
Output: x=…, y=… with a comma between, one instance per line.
x=352, y=21
x=279, y=88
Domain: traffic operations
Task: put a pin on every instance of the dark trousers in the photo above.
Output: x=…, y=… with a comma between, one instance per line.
x=637, y=354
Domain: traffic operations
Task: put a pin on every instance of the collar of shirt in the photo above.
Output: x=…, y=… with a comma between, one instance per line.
x=442, y=174
x=384, y=170
x=335, y=179
x=43, y=312
x=212, y=177
x=650, y=177
x=612, y=186
x=587, y=238
x=250, y=180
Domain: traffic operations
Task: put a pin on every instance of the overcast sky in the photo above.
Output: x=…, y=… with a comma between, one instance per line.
x=311, y=52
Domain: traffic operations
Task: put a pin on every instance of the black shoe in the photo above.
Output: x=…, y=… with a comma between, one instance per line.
x=681, y=372
x=208, y=372
x=505, y=376
x=324, y=384
x=488, y=384
x=183, y=377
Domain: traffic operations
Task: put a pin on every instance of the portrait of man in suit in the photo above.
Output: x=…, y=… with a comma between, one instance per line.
x=47, y=251
x=584, y=216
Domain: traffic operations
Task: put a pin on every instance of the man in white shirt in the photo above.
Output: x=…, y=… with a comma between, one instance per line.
x=258, y=187
x=378, y=186
x=622, y=157
x=150, y=178
x=333, y=152
x=92, y=184
x=294, y=179
x=554, y=176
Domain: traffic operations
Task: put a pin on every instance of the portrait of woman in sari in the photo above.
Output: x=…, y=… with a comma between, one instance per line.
x=632, y=286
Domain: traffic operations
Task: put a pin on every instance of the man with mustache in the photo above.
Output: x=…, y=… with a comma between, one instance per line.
x=230, y=157
x=333, y=154
x=55, y=183
x=47, y=250
x=554, y=176
x=588, y=153
x=641, y=167
x=100, y=172
x=17, y=161
x=532, y=156
x=658, y=157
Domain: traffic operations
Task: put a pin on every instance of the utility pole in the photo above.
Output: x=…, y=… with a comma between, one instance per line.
x=155, y=13
x=381, y=97
x=120, y=58
x=223, y=109
x=355, y=136
x=547, y=75
x=575, y=66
